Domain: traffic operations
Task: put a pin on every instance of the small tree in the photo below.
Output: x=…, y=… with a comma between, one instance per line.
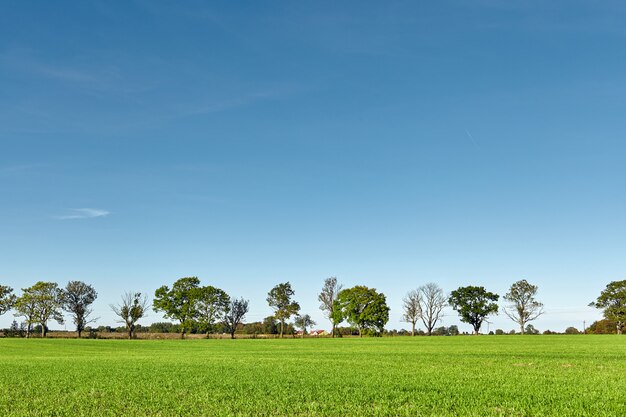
x=613, y=301
x=571, y=330
x=474, y=304
x=212, y=306
x=7, y=299
x=77, y=299
x=523, y=308
x=39, y=304
x=303, y=322
x=411, y=308
x=327, y=300
x=132, y=307
x=364, y=308
x=235, y=314
x=280, y=299
x=180, y=303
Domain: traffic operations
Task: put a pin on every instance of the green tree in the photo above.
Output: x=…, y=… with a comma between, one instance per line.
x=39, y=304
x=77, y=298
x=7, y=299
x=280, y=299
x=235, y=314
x=613, y=301
x=523, y=306
x=212, y=306
x=364, y=308
x=130, y=310
x=474, y=304
x=303, y=322
x=179, y=303
x=327, y=301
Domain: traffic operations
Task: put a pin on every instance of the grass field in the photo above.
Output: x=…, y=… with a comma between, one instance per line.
x=438, y=376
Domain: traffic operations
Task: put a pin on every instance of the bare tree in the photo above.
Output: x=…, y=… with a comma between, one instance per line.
x=132, y=308
x=523, y=307
x=431, y=301
x=77, y=299
x=412, y=309
x=235, y=313
x=327, y=299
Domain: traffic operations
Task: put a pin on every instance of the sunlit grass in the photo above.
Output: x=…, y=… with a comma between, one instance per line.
x=438, y=376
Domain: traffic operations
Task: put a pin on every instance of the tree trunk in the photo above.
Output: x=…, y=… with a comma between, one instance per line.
x=413, y=329
x=281, y=329
x=360, y=333
x=619, y=327
x=182, y=333
x=44, y=330
x=130, y=332
x=79, y=332
x=232, y=334
x=334, y=329
x=522, y=329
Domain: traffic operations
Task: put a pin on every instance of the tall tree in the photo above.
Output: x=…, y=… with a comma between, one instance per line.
x=411, y=309
x=613, y=301
x=7, y=299
x=179, y=303
x=280, y=299
x=303, y=322
x=212, y=306
x=39, y=304
x=523, y=306
x=130, y=310
x=235, y=314
x=432, y=301
x=77, y=298
x=364, y=308
x=474, y=304
x=327, y=299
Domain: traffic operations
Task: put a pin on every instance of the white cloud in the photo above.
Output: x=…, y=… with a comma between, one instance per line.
x=84, y=213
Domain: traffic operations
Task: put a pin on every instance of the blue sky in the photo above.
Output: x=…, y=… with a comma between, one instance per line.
x=389, y=144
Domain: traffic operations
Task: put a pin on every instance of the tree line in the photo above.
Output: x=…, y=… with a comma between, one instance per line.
x=207, y=308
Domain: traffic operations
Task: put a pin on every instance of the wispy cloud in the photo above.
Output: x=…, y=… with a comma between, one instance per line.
x=83, y=213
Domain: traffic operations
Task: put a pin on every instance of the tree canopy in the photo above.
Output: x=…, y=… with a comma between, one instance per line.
x=474, y=304
x=363, y=308
x=212, y=306
x=327, y=298
x=39, y=304
x=280, y=299
x=523, y=305
x=613, y=301
x=179, y=303
x=7, y=299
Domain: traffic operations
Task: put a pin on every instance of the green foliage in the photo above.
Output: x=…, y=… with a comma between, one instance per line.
x=327, y=298
x=550, y=376
x=572, y=330
x=304, y=322
x=212, y=306
x=280, y=299
x=39, y=304
x=613, y=301
x=179, y=303
x=363, y=308
x=474, y=304
x=235, y=314
x=604, y=326
x=77, y=298
x=7, y=299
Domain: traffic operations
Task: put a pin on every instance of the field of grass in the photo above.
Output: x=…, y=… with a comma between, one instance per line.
x=402, y=376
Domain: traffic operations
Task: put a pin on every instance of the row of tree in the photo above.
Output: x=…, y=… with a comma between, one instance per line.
x=202, y=308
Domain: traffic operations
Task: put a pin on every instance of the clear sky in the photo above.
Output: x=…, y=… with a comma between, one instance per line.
x=250, y=143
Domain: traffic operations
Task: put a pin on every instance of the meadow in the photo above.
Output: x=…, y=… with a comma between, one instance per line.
x=401, y=376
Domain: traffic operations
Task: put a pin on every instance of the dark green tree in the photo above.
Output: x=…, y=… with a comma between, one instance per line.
x=303, y=322
x=327, y=300
x=7, y=299
x=39, y=304
x=212, y=306
x=364, y=308
x=77, y=299
x=474, y=304
x=280, y=299
x=523, y=306
x=235, y=314
x=179, y=303
x=613, y=301
x=130, y=310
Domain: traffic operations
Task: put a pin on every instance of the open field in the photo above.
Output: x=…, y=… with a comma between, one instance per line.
x=438, y=376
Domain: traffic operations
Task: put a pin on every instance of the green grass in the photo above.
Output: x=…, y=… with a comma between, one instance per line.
x=438, y=376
